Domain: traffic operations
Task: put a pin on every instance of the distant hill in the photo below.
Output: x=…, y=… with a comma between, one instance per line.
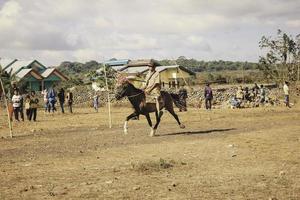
x=79, y=69
x=210, y=66
x=83, y=73
x=76, y=68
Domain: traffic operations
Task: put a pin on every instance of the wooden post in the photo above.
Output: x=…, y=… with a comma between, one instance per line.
x=298, y=72
x=108, y=98
x=7, y=109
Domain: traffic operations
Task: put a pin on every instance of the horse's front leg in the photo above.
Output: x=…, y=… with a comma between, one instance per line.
x=126, y=121
x=152, y=133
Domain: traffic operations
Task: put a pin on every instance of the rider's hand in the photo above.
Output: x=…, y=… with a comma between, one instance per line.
x=146, y=92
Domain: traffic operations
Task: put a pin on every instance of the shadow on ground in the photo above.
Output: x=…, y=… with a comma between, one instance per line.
x=198, y=132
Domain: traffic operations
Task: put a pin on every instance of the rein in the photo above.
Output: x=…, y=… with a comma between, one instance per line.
x=130, y=96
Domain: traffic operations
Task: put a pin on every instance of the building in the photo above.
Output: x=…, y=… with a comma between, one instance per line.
x=32, y=75
x=117, y=64
x=170, y=76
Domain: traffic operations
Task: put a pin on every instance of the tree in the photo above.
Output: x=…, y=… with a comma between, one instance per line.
x=99, y=76
x=281, y=59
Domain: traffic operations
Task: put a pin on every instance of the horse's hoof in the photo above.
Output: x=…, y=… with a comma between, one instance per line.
x=125, y=127
x=152, y=132
x=182, y=126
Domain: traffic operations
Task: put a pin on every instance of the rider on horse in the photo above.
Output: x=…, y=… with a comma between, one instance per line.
x=152, y=86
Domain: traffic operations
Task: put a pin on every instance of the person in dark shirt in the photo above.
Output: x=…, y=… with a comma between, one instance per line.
x=182, y=98
x=33, y=106
x=61, y=98
x=208, y=95
x=247, y=95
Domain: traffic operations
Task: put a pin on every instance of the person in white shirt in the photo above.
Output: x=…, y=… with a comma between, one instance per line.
x=286, y=94
x=16, y=100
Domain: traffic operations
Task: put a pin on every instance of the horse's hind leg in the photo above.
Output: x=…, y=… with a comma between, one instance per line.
x=126, y=121
x=171, y=110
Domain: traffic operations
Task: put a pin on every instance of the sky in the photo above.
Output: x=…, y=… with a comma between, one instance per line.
x=53, y=31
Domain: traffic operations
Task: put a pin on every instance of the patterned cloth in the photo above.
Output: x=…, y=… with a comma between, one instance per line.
x=152, y=78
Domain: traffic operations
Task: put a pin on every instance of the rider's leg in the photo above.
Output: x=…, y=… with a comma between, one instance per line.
x=157, y=104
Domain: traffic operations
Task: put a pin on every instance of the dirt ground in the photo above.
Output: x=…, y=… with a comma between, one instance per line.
x=222, y=154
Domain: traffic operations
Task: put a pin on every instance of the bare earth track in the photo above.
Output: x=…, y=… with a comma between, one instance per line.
x=223, y=154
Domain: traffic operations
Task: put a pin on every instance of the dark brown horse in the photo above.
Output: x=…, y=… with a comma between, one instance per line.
x=137, y=99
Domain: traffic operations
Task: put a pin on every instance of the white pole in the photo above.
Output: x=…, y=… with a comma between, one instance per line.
x=7, y=109
x=108, y=98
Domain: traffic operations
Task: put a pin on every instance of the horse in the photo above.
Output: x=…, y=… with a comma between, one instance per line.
x=137, y=98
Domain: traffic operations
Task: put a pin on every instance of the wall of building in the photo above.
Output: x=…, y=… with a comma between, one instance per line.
x=173, y=77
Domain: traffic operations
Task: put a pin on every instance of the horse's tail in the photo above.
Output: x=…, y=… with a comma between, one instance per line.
x=176, y=100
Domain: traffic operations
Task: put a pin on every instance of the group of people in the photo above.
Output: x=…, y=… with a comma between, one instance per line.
x=30, y=102
x=50, y=100
x=257, y=94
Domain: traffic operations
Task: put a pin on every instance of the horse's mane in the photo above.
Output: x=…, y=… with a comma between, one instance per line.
x=133, y=87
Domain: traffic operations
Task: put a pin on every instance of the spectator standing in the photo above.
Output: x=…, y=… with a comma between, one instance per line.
x=61, y=98
x=96, y=102
x=262, y=94
x=247, y=95
x=16, y=100
x=286, y=94
x=240, y=93
x=182, y=99
x=208, y=95
x=46, y=101
x=33, y=106
x=27, y=106
x=51, y=100
x=70, y=101
x=255, y=90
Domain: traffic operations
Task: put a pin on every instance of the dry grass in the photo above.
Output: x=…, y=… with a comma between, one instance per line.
x=223, y=154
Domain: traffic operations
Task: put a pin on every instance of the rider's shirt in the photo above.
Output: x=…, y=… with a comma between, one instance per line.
x=152, y=78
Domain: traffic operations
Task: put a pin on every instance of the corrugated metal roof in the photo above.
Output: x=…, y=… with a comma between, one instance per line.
x=4, y=62
x=117, y=68
x=162, y=68
x=23, y=73
x=16, y=66
x=117, y=62
x=143, y=62
x=135, y=69
x=47, y=72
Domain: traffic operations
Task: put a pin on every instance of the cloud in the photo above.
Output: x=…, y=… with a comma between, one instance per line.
x=9, y=14
x=75, y=29
x=293, y=23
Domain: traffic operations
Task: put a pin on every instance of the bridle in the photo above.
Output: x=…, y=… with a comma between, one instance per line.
x=135, y=95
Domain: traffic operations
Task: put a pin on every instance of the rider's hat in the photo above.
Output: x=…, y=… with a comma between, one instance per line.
x=152, y=64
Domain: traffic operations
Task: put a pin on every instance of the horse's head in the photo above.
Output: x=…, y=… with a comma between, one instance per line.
x=121, y=89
